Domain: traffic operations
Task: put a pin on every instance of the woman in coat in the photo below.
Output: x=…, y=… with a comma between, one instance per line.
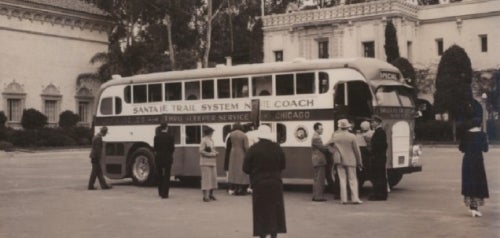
x=264, y=162
x=208, y=166
x=239, y=146
x=474, y=183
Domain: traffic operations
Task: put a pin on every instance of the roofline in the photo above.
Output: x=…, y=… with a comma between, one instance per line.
x=360, y=64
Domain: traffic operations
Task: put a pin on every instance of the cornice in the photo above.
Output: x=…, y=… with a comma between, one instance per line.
x=83, y=21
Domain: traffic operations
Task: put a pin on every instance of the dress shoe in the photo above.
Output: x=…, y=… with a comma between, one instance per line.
x=476, y=213
x=213, y=198
x=318, y=200
x=357, y=202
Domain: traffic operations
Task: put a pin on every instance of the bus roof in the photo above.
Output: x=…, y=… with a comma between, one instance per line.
x=368, y=67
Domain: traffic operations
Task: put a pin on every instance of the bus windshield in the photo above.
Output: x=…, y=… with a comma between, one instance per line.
x=396, y=96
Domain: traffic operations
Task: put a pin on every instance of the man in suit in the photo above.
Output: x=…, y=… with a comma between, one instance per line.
x=379, y=149
x=164, y=149
x=95, y=158
x=319, y=153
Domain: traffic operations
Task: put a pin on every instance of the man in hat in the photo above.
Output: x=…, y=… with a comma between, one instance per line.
x=350, y=158
x=95, y=158
x=379, y=149
x=164, y=149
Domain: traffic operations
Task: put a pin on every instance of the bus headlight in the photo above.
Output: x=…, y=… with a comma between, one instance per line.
x=416, y=153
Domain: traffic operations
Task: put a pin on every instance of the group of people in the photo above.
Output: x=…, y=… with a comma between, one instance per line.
x=261, y=163
x=255, y=159
x=344, y=155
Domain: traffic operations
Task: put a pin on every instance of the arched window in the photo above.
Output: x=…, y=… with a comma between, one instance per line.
x=84, y=104
x=14, y=99
x=51, y=101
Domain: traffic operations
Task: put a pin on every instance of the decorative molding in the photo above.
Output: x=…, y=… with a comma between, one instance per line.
x=51, y=91
x=55, y=18
x=14, y=88
x=84, y=94
x=343, y=13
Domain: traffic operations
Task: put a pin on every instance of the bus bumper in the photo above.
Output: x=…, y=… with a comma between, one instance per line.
x=408, y=170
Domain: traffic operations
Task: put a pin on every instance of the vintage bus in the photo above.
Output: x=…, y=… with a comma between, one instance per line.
x=288, y=96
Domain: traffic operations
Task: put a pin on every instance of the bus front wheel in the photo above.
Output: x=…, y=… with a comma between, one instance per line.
x=142, y=167
x=394, y=178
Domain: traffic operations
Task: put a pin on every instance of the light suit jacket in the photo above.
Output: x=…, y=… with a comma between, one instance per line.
x=346, y=144
x=318, y=151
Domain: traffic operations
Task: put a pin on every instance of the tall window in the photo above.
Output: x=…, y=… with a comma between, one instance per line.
x=369, y=49
x=439, y=46
x=278, y=55
x=323, y=49
x=14, y=110
x=84, y=111
x=50, y=110
x=484, y=43
x=409, y=48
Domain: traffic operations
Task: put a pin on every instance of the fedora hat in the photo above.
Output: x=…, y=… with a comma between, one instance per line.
x=344, y=124
x=377, y=118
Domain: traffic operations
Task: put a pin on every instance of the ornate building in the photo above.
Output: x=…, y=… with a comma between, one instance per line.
x=355, y=30
x=44, y=46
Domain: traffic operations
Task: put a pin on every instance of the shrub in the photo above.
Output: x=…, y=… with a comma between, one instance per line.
x=24, y=138
x=68, y=119
x=6, y=146
x=433, y=130
x=33, y=119
x=54, y=137
x=3, y=119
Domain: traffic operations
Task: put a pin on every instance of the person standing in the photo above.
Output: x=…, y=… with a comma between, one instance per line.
x=379, y=160
x=319, y=153
x=95, y=158
x=239, y=146
x=363, y=138
x=208, y=165
x=164, y=149
x=474, y=182
x=350, y=159
x=264, y=162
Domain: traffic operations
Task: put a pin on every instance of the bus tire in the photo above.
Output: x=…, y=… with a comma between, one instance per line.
x=142, y=167
x=394, y=178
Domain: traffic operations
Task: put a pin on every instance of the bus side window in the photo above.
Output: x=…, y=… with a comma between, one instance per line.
x=192, y=90
x=305, y=83
x=281, y=133
x=193, y=134
x=262, y=85
x=106, y=106
x=140, y=94
x=127, y=94
x=176, y=132
x=240, y=87
x=323, y=82
x=118, y=105
x=284, y=84
x=154, y=92
x=223, y=88
x=173, y=91
x=207, y=89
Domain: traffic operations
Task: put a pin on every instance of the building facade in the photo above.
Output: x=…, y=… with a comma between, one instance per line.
x=44, y=46
x=356, y=30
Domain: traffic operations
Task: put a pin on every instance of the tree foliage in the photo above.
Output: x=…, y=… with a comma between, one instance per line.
x=68, y=119
x=33, y=119
x=391, y=42
x=406, y=69
x=3, y=119
x=453, y=83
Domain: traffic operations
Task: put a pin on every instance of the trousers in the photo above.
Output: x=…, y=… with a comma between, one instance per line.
x=347, y=175
x=319, y=182
x=164, y=180
x=97, y=173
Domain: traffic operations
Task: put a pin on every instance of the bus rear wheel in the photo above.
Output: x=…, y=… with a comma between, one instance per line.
x=142, y=167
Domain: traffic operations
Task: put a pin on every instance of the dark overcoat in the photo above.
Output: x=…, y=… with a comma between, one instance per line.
x=164, y=148
x=474, y=182
x=264, y=162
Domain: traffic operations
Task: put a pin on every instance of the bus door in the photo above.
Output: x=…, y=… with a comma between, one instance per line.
x=353, y=100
